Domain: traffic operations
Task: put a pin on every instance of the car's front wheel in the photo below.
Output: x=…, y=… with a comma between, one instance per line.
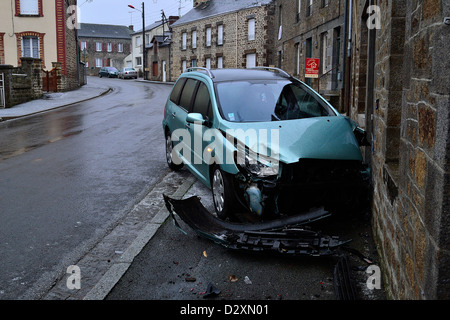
x=169, y=154
x=222, y=192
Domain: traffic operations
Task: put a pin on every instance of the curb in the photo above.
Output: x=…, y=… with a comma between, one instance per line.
x=118, y=269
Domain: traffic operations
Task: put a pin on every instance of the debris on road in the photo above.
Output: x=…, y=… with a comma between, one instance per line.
x=282, y=235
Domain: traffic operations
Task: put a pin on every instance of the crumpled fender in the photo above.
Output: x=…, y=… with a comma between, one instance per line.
x=281, y=235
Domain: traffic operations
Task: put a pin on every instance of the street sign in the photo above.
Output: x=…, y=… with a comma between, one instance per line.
x=312, y=68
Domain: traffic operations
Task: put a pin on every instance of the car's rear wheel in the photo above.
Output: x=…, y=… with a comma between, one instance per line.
x=174, y=165
x=222, y=192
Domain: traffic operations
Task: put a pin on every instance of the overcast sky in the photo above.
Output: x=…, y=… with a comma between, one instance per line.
x=117, y=11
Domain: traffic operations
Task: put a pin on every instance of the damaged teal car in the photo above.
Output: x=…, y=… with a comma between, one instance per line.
x=264, y=142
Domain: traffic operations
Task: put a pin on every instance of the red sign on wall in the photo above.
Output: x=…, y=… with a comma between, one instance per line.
x=312, y=68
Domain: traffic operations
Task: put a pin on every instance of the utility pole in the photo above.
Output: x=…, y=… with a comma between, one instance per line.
x=144, y=53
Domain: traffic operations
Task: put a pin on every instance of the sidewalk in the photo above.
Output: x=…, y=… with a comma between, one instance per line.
x=92, y=89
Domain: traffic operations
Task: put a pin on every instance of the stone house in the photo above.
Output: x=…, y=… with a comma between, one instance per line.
x=136, y=59
x=40, y=30
x=399, y=86
x=312, y=29
x=223, y=34
x=103, y=46
x=158, y=57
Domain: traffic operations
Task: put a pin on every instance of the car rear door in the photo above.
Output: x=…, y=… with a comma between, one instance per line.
x=176, y=115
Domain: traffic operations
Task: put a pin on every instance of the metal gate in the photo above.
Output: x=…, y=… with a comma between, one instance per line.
x=49, y=82
x=2, y=91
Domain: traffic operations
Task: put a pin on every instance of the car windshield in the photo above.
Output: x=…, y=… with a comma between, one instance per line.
x=112, y=69
x=263, y=100
x=129, y=69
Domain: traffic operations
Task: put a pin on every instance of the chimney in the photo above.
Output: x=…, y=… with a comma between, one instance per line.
x=131, y=27
x=173, y=19
x=199, y=2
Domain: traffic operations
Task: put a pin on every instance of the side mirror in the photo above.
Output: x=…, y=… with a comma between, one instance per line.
x=195, y=118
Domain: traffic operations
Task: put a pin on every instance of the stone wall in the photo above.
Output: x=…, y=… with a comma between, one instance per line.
x=235, y=45
x=410, y=156
x=23, y=83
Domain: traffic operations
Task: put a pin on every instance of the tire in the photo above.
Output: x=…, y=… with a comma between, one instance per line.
x=222, y=192
x=169, y=155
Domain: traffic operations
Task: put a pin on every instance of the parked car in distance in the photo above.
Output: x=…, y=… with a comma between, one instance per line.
x=127, y=73
x=109, y=72
x=264, y=142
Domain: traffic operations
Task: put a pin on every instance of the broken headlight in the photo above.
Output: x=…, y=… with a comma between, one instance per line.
x=256, y=164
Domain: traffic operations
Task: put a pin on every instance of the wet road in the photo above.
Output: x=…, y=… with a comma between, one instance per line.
x=67, y=177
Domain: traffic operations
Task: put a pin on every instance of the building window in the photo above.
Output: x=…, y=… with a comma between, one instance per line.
x=208, y=63
x=184, y=65
x=299, y=10
x=98, y=46
x=220, y=34
x=138, y=41
x=194, y=63
x=120, y=47
x=208, y=36
x=194, y=39
x=109, y=47
x=297, y=59
x=98, y=62
x=251, y=29
x=184, y=43
x=219, y=62
x=83, y=45
x=309, y=9
x=324, y=3
x=30, y=47
x=29, y=7
x=139, y=61
x=251, y=60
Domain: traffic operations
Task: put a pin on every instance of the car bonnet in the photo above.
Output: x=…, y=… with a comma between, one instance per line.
x=312, y=138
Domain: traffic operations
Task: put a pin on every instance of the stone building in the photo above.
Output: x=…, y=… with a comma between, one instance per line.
x=223, y=34
x=158, y=57
x=104, y=46
x=312, y=29
x=41, y=30
x=400, y=75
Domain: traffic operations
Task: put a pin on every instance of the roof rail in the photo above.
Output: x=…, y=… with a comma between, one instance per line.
x=210, y=74
x=282, y=72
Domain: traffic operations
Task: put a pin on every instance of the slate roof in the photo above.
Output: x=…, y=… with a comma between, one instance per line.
x=91, y=30
x=149, y=27
x=218, y=7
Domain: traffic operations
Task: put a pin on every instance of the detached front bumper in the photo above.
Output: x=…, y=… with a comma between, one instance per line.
x=281, y=235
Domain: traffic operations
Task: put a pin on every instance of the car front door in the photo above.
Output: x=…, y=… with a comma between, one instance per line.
x=201, y=105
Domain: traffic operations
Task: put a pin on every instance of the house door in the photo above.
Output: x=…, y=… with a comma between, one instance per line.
x=164, y=79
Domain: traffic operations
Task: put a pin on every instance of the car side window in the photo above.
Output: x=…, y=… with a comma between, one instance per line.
x=187, y=94
x=202, y=101
x=175, y=95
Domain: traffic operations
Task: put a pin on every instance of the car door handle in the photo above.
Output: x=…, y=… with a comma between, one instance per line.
x=174, y=114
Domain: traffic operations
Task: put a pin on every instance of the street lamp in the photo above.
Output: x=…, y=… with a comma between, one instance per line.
x=144, y=59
